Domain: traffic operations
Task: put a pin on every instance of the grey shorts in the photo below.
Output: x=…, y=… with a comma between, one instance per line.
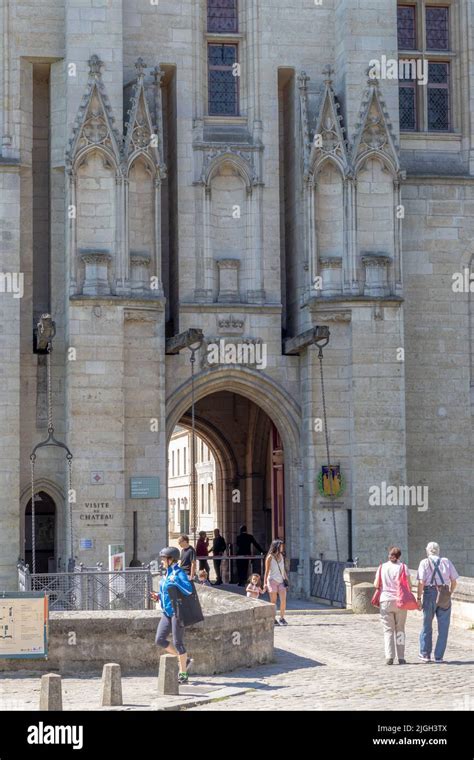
x=167, y=625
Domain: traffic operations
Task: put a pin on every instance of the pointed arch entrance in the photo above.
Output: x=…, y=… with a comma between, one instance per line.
x=252, y=426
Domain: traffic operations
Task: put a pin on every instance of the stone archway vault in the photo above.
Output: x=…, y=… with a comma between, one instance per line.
x=282, y=410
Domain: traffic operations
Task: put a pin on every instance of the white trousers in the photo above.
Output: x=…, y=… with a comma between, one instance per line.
x=393, y=624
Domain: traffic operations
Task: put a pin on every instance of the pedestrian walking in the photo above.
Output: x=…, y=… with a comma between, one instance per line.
x=254, y=589
x=218, y=549
x=389, y=577
x=245, y=541
x=436, y=583
x=202, y=550
x=276, y=578
x=187, y=557
x=174, y=576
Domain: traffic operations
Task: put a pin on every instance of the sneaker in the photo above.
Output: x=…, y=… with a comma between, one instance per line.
x=183, y=678
x=424, y=658
x=402, y=662
x=276, y=622
x=439, y=660
x=283, y=621
x=389, y=661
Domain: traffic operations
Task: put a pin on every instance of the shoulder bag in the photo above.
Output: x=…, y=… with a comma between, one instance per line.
x=186, y=608
x=443, y=596
x=405, y=598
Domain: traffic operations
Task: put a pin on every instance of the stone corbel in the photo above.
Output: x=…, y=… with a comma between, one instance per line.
x=331, y=273
x=96, y=280
x=376, y=274
x=139, y=273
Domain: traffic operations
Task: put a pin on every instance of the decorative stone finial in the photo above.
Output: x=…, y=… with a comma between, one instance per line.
x=303, y=79
x=140, y=66
x=328, y=72
x=371, y=79
x=159, y=74
x=95, y=65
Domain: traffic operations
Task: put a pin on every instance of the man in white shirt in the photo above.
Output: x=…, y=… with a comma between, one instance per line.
x=434, y=571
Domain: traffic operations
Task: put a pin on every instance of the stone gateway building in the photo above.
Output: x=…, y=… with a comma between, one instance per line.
x=252, y=169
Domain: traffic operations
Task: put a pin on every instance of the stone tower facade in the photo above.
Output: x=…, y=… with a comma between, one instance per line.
x=237, y=167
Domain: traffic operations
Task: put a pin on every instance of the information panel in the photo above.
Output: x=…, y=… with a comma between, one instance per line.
x=145, y=488
x=23, y=624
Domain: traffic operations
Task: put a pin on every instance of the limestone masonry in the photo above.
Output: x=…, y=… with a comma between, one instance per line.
x=238, y=168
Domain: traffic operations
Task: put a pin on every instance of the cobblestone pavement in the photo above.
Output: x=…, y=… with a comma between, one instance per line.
x=324, y=660
x=335, y=661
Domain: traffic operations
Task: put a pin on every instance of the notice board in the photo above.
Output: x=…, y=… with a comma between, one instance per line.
x=24, y=617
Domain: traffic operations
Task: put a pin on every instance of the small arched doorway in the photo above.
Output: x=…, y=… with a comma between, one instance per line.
x=45, y=533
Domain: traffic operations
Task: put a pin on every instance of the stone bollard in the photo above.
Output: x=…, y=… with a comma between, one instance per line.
x=362, y=593
x=111, y=685
x=168, y=675
x=51, y=697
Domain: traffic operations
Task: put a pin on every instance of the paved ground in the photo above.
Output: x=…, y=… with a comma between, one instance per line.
x=324, y=660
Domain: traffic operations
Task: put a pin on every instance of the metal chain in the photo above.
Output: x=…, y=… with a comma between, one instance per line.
x=69, y=499
x=193, y=451
x=33, y=526
x=49, y=390
x=326, y=434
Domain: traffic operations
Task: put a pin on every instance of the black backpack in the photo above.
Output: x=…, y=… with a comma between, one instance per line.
x=186, y=608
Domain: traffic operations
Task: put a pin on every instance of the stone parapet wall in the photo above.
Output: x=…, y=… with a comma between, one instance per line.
x=236, y=632
x=462, y=602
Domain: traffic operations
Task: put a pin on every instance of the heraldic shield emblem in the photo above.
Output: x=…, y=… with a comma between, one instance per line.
x=338, y=484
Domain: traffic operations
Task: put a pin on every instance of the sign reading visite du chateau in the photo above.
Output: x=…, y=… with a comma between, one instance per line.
x=96, y=513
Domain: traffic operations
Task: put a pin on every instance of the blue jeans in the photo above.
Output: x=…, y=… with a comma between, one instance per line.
x=443, y=617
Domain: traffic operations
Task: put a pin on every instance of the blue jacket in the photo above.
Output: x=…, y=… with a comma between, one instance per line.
x=175, y=576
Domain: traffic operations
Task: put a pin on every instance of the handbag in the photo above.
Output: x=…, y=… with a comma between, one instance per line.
x=375, y=601
x=443, y=595
x=405, y=598
x=187, y=608
x=283, y=574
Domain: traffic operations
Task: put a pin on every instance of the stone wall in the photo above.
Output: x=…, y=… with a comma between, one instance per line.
x=236, y=632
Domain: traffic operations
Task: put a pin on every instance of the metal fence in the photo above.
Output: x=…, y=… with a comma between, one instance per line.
x=91, y=588
x=327, y=580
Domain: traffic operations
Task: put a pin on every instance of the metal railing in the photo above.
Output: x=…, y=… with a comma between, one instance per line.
x=229, y=570
x=327, y=580
x=91, y=588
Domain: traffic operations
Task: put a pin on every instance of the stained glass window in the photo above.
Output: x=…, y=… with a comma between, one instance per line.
x=406, y=27
x=407, y=100
x=438, y=97
x=223, y=84
x=437, y=28
x=222, y=16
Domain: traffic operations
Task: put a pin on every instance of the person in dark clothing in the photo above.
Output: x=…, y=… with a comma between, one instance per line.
x=188, y=556
x=218, y=549
x=245, y=541
x=202, y=550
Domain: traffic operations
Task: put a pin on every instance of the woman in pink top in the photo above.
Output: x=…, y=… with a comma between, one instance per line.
x=393, y=619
